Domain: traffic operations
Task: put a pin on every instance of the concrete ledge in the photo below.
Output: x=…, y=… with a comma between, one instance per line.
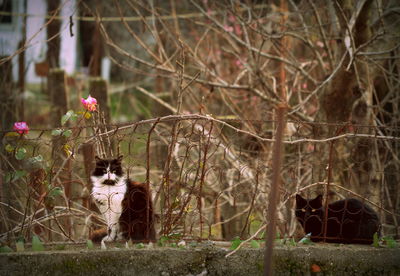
x=208, y=260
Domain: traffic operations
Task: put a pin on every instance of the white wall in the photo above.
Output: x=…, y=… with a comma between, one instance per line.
x=68, y=56
x=11, y=35
x=37, y=52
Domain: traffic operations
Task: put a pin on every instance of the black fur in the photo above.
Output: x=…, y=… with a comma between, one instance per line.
x=102, y=164
x=137, y=217
x=348, y=221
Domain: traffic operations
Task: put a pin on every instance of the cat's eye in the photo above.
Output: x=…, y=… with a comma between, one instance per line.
x=313, y=210
x=303, y=210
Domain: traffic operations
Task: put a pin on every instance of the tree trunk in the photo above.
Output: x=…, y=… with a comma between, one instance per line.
x=53, y=29
x=349, y=99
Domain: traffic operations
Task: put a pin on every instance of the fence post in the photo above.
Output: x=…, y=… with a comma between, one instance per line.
x=8, y=117
x=88, y=154
x=53, y=29
x=59, y=106
x=21, y=78
x=273, y=198
x=7, y=98
x=62, y=165
x=277, y=154
x=98, y=90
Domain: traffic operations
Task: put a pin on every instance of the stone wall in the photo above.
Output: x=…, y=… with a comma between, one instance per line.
x=208, y=260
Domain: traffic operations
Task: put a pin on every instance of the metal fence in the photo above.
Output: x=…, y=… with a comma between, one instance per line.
x=209, y=178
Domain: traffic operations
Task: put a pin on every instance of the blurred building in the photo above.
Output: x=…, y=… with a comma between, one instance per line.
x=24, y=22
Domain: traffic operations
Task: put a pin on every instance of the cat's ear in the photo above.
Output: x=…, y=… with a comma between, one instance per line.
x=119, y=159
x=318, y=199
x=299, y=198
x=97, y=159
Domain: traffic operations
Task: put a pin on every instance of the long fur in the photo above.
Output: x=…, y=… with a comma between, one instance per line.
x=137, y=218
x=125, y=205
x=348, y=221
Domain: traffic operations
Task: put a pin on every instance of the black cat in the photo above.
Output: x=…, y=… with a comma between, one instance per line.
x=348, y=221
x=125, y=204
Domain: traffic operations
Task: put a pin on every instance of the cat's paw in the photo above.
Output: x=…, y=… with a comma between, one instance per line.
x=100, y=202
x=108, y=238
x=120, y=236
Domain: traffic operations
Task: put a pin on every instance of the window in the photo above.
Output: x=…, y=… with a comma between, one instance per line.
x=6, y=6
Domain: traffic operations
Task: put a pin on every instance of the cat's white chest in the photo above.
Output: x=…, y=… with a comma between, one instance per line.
x=109, y=198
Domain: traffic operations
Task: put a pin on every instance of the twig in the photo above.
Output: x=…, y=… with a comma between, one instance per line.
x=246, y=241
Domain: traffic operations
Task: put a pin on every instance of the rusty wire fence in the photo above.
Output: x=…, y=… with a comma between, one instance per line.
x=210, y=178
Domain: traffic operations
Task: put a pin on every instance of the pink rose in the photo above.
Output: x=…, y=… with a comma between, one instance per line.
x=238, y=30
x=21, y=127
x=228, y=28
x=90, y=103
x=320, y=44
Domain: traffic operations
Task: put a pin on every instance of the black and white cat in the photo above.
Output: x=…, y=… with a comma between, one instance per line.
x=125, y=205
x=348, y=221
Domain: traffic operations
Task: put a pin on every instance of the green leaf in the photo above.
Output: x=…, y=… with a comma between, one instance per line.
x=60, y=247
x=280, y=241
x=38, y=158
x=13, y=176
x=5, y=249
x=88, y=115
x=390, y=242
x=89, y=244
x=376, y=240
x=119, y=245
x=56, y=191
x=37, y=244
x=67, y=133
x=175, y=236
x=18, y=175
x=20, y=153
x=12, y=134
x=67, y=150
x=140, y=245
x=9, y=176
x=74, y=117
x=292, y=242
x=9, y=148
x=162, y=241
x=306, y=239
x=56, y=132
x=37, y=161
x=235, y=243
x=255, y=244
x=20, y=246
x=70, y=115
